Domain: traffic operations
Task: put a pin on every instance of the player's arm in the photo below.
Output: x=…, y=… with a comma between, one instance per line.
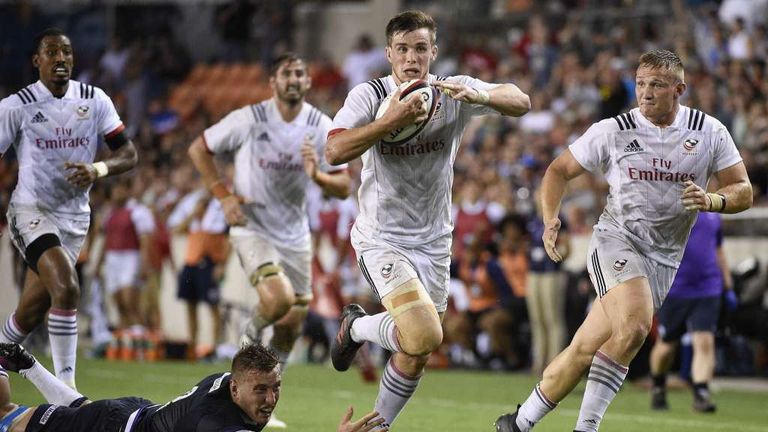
x=735, y=194
x=564, y=168
x=335, y=184
x=202, y=159
x=347, y=144
x=507, y=98
x=122, y=157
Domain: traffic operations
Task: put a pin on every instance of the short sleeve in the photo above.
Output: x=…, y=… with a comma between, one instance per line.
x=230, y=132
x=590, y=149
x=10, y=123
x=321, y=139
x=109, y=120
x=143, y=220
x=474, y=109
x=725, y=154
x=359, y=108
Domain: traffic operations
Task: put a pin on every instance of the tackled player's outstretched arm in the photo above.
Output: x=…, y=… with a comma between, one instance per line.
x=736, y=188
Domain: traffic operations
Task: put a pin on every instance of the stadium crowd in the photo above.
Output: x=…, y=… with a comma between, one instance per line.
x=577, y=67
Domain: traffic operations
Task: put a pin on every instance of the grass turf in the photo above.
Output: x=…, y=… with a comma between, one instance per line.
x=314, y=398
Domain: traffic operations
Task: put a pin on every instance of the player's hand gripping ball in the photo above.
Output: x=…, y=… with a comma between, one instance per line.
x=413, y=88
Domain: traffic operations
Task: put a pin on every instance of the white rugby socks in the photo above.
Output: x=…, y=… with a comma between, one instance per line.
x=395, y=390
x=379, y=329
x=52, y=389
x=11, y=332
x=62, y=332
x=605, y=379
x=534, y=409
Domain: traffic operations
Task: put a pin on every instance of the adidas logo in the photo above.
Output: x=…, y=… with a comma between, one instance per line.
x=633, y=147
x=264, y=137
x=39, y=118
x=66, y=370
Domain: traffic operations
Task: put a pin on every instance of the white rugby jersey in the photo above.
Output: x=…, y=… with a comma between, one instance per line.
x=646, y=166
x=405, y=191
x=269, y=170
x=47, y=132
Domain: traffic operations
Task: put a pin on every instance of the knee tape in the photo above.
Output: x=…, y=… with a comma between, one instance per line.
x=406, y=297
x=264, y=271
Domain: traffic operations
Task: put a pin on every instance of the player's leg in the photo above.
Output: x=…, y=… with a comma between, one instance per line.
x=287, y=329
x=297, y=268
x=50, y=251
x=56, y=267
x=703, y=323
x=629, y=307
x=14, y=358
x=562, y=374
x=57, y=273
x=261, y=262
x=30, y=312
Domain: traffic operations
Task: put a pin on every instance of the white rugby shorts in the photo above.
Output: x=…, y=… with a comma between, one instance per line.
x=612, y=259
x=27, y=224
x=121, y=270
x=387, y=266
x=254, y=250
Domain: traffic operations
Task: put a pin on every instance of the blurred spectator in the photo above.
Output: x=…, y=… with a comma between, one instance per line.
x=113, y=62
x=545, y=293
x=233, y=20
x=363, y=63
x=739, y=42
x=472, y=224
x=20, y=22
x=204, y=264
x=125, y=256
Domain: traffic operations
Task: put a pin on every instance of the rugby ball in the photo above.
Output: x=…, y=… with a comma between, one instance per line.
x=413, y=88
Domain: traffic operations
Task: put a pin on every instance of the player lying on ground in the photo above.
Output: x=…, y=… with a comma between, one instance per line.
x=240, y=400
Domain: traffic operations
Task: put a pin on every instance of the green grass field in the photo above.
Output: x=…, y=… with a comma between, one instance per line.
x=314, y=397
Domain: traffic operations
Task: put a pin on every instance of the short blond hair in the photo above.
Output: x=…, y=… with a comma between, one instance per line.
x=663, y=59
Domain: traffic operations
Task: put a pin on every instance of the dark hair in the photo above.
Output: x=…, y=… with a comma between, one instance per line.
x=662, y=59
x=288, y=57
x=515, y=220
x=254, y=357
x=411, y=20
x=52, y=31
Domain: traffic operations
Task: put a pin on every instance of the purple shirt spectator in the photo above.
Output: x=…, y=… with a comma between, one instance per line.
x=699, y=275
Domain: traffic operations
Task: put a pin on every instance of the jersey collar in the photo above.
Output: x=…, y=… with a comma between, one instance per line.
x=678, y=123
x=42, y=91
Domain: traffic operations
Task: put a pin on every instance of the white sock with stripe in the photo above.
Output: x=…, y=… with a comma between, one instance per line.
x=62, y=332
x=533, y=409
x=11, y=332
x=605, y=379
x=395, y=390
x=379, y=329
x=52, y=389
